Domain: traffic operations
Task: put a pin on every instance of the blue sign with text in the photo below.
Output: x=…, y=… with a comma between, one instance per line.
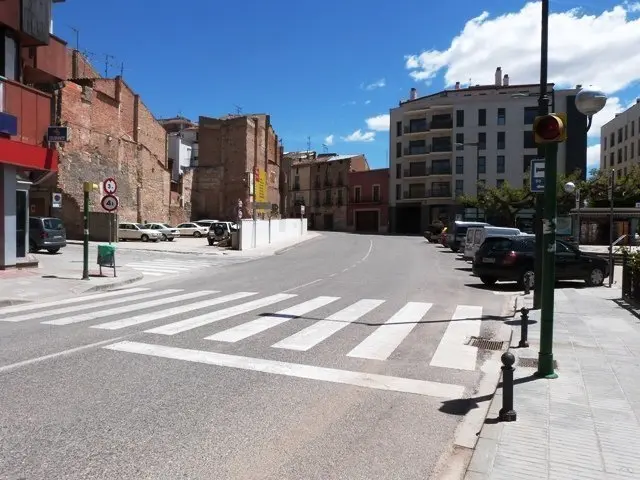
x=537, y=175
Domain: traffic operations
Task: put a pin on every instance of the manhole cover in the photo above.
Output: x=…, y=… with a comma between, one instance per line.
x=532, y=363
x=485, y=344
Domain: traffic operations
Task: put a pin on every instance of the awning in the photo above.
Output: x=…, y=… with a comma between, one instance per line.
x=27, y=156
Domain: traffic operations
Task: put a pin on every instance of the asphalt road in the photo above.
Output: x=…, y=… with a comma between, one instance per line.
x=289, y=393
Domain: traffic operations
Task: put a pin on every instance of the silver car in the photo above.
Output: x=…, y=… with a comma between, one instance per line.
x=167, y=231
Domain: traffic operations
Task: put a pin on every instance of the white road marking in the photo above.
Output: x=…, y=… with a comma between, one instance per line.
x=67, y=301
x=169, y=312
x=207, y=318
x=77, y=308
x=452, y=351
x=261, y=324
x=158, y=267
x=109, y=312
x=303, y=285
x=358, y=379
x=152, y=274
x=387, y=337
x=320, y=331
x=31, y=361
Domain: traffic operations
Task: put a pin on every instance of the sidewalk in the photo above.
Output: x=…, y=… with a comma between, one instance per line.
x=59, y=276
x=586, y=423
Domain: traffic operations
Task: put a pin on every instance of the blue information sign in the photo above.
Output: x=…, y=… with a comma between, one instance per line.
x=537, y=175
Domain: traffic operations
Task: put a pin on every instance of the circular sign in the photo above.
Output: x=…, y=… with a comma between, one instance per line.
x=57, y=197
x=110, y=186
x=109, y=203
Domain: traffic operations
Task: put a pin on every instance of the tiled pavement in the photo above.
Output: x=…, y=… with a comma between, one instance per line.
x=586, y=423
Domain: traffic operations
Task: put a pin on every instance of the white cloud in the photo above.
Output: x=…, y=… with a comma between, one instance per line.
x=328, y=140
x=583, y=49
x=360, y=136
x=379, y=123
x=593, y=157
x=367, y=102
x=377, y=84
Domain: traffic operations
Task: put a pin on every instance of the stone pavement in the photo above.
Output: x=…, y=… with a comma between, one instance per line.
x=586, y=423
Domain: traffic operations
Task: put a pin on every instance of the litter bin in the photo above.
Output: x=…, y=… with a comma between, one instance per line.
x=107, y=257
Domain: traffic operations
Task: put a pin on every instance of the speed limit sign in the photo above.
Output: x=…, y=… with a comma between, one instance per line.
x=109, y=203
x=110, y=186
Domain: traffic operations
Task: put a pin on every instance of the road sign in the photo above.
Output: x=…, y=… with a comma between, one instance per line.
x=58, y=134
x=537, y=175
x=56, y=200
x=109, y=203
x=110, y=186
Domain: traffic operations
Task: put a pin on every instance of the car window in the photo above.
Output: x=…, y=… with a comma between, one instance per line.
x=183, y=225
x=224, y=226
x=53, y=224
x=137, y=226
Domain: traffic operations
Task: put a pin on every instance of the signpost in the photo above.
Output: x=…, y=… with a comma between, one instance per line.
x=109, y=201
x=110, y=186
x=56, y=200
x=537, y=175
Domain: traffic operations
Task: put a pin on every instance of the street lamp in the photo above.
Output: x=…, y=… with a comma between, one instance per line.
x=589, y=101
x=570, y=187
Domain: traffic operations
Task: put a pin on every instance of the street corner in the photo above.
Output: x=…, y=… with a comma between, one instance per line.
x=106, y=281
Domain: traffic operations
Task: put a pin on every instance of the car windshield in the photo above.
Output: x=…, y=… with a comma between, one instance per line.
x=52, y=224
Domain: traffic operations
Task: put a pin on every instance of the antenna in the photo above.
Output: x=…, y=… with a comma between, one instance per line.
x=308, y=144
x=106, y=63
x=77, y=32
x=238, y=109
x=122, y=69
x=325, y=149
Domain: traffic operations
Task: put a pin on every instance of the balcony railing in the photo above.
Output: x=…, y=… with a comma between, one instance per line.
x=439, y=193
x=316, y=184
x=426, y=172
x=31, y=107
x=441, y=124
x=417, y=151
x=327, y=203
x=435, y=148
x=415, y=194
x=47, y=63
x=367, y=199
x=296, y=186
x=422, y=128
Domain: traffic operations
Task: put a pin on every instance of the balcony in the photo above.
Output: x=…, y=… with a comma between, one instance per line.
x=327, y=203
x=415, y=194
x=47, y=63
x=30, y=24
x=439, y=193
x=442, y=124
x=408, y=130
x=425, y=172
x=296, y=186
x=366, y=199
x=427, y=150
x=327, y=183
x=316, y=184
x=32, y=109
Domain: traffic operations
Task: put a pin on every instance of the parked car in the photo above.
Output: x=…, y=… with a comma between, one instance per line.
x=511, y=259
x=457, y=232
x=192, y=229
x=206, y=223
x=220, y=231
x=137, y=231
x=477, y=235
x=46, y=233
x=168, y=232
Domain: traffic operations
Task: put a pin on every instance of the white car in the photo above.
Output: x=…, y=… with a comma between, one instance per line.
x=137, y=231
x=168, y=232
x=192, y=229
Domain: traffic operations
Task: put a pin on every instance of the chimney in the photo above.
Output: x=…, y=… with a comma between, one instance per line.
x=413, y=94
x=457, y=85
x=499, y=77
x=505, y=80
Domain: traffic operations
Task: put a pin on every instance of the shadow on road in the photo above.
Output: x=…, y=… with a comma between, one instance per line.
x=369, y=324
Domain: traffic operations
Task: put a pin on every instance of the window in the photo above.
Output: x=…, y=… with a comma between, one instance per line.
x=526, y=162
x=482, y=117
x=500, y=164
x=418, y=125
x=631, y=152
x=398, y=129
x=398, y=192
x=398, y=170
x=612, y=159
x=459, y=118
x=499, y=182
x=398, y=149
x=502, y=116
x=459, y=187
x=482, y=165
x=9, y=56
x=633, y=128
x=604, y=143
x=459, y=141
x=340, y=197
x=626, y=132
x=530, y=113
x=528, y=139
x=482, y=141
x=327, y=197
x=376, y=193
x=620, y=135
x=459, y=165
x=619, y=155
x=612, y=140
x=625, y=153
x=502, y=140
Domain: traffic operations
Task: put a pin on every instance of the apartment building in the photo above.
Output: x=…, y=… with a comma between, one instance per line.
x=452, y=142
x=32, y=68
x=620, y=141
x=320, y=183
x=229, y=150
x=368, y=208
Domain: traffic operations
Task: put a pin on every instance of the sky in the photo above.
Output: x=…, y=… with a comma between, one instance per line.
x=328, y=72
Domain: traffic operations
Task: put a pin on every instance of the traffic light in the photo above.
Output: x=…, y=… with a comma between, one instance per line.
x=550, y=128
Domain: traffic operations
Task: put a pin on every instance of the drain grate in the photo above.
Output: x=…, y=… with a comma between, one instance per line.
x=485, y=344
x=529, y=362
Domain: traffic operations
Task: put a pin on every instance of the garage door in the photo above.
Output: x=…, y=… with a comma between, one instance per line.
x=367, y=221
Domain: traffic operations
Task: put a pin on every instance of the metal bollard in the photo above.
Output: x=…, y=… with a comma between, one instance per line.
x=507, y=413
x=527, y=286
x=524, y=328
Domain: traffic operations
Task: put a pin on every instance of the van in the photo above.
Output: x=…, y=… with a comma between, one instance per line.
x=457, y=232
x=477, y=235
x=46, y=233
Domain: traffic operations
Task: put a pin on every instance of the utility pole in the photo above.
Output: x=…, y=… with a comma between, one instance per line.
x=77, y=32
x=106, y=63
x=308, y=144
x=238, y=110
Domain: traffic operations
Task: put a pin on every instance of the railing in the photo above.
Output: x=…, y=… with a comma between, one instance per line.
x=369, y=199
x=417, y=151
x=45, y=63
x=296, y=186
x=439, y=193
x=407, y=129
x=441, y=124
x=31, y=107
x=426, y=172
x=418, y=194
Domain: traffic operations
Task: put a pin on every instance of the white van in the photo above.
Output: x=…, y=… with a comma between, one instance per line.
x=477, y=235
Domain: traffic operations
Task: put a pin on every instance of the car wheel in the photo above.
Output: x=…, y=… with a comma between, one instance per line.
x=454, y=249
x=527, y=280
x=488, y=280
x=164, y=237
x=197, y=234
x=211, y=243
x=144, y=238
x=33, y=248
x=170, y=239
x=595, y=278
x=53, y=250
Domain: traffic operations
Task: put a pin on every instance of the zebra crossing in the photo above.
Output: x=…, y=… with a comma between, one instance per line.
x=154, y=310
x=162, y=268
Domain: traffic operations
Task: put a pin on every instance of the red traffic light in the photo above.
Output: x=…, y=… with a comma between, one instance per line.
x=549, y=128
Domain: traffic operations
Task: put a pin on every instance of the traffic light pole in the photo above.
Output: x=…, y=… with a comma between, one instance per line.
x=85, y=243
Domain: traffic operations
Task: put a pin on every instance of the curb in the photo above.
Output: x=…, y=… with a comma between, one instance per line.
x=9, y=303
x=290, y=247
x=110, y=286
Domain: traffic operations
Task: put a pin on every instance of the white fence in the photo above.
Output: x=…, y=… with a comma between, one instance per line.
x=258, y=233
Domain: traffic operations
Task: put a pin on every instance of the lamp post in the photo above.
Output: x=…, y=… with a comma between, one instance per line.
x=570, y=188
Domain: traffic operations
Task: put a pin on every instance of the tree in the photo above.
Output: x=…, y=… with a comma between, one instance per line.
x=625, y=193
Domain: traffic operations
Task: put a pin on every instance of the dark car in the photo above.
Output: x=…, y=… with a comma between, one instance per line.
x=511, y=259
x=46, y=233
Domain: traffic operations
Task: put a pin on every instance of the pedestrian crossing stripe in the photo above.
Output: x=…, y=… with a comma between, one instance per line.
x=379, y=345
x=158, y=268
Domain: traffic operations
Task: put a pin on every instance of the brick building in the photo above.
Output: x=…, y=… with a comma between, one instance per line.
x=368, y=208
x=229, y=148
x=113, y=135
x=320, y=182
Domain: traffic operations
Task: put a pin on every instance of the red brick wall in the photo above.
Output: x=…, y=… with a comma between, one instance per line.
x=102, y=145
x=366, y=180
x=84, y=67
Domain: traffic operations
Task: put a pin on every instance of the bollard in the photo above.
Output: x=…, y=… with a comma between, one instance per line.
x=507, y=413
x=527, y=285
x=524, y=328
